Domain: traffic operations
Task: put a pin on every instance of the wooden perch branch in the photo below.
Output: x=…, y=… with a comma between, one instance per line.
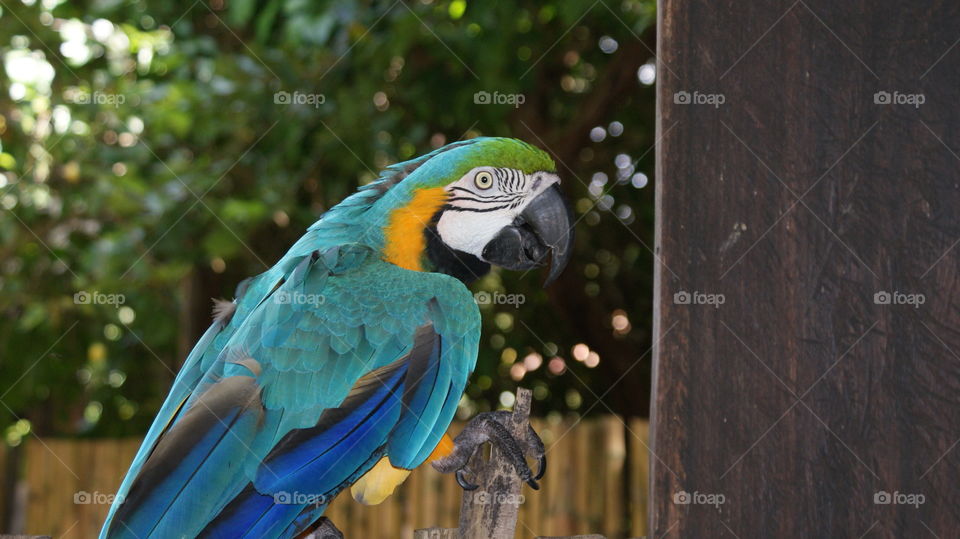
x=491, y=510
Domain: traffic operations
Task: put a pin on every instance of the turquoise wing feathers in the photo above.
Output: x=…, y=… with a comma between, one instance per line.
x=331, y=360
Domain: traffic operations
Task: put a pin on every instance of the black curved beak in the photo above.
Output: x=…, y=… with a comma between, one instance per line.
x=544, y=228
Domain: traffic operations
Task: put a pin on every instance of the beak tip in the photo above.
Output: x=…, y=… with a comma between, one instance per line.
x=558, y=262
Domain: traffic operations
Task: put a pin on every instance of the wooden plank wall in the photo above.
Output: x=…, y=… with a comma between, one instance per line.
x=595, y=483
x=809, y=175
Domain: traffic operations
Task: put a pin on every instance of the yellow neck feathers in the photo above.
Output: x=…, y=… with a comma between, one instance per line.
x=404, y=242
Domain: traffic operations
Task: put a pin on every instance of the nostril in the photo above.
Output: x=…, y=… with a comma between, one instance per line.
x=537, y=180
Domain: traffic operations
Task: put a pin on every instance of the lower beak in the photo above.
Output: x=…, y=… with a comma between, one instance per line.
x=544, y=228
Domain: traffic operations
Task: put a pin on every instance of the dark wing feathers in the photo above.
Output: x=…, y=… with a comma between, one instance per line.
x=203, y=444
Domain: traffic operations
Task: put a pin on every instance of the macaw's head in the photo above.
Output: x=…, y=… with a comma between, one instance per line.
x=474, y=203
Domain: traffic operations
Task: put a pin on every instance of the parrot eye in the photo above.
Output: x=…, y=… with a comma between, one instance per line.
x=483, y=179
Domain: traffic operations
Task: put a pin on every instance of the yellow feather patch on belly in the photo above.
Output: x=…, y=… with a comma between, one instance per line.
x=404, y=241
x=379, y=483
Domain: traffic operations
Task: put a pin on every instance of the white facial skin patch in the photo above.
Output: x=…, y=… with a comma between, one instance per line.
x=484, y=201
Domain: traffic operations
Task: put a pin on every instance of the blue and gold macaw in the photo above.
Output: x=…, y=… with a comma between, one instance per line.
x=342, y=365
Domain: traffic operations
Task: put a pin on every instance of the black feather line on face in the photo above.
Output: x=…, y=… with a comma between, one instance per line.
x=510, y=181
x=480, y=210
x=481, y=194
x=484, y=200
x=464, y=189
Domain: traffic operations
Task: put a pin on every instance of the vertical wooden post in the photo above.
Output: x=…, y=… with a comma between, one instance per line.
x=807, y=372
x=491, y=510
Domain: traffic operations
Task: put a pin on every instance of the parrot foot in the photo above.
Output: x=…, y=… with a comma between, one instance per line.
x=323, y=528
x=490, y=427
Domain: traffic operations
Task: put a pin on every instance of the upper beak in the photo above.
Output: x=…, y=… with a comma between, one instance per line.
x=544, y=228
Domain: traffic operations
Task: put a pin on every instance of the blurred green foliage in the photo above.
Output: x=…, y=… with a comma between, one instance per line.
x=150, y=162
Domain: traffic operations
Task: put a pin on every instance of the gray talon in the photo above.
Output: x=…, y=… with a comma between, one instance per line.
x=490, y=427
x=462, y=481
x=541, y=467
